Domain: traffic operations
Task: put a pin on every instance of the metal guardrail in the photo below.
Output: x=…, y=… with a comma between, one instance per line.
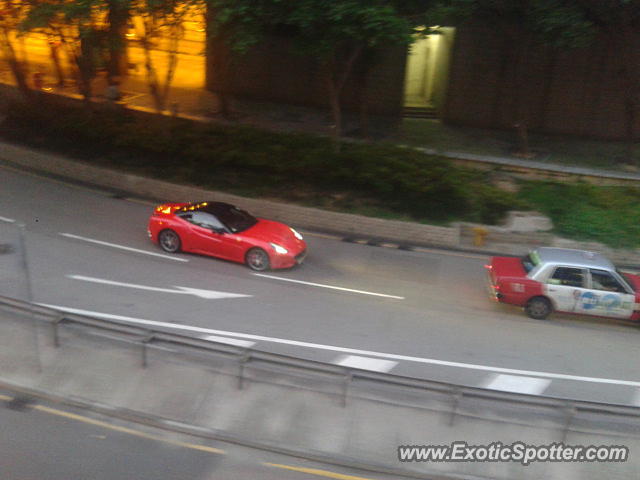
x=144, y=338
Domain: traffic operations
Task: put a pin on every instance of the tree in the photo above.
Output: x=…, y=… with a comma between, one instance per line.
x=77, y=26
x=233, y=27
x=161, y=25
x=118, y=16
x=13, y=12
x=337, y=34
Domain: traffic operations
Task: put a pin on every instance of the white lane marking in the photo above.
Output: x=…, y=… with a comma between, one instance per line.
x=8, y=220
x=518, y=384
x=363, y=292
x=208, y=294
x=365, y=363
x=392, y=356
x=230, y=341
x=122, y=247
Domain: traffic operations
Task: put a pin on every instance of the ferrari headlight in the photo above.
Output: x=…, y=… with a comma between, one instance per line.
x=296, y=234
x=279, y=249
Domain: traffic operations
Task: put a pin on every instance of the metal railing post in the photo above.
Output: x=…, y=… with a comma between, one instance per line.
x=144, y=343
x=570, y=411
x=457, y=397
x=244, y=358
x=345, y=387
x=54, y=326
x=25, y=264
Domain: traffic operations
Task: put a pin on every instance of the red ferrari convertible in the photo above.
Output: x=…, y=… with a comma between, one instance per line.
x=222, y=230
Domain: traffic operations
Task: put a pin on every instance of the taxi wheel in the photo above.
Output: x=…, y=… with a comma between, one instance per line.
x=169, y=241
x=257, y=259
x=538, y=308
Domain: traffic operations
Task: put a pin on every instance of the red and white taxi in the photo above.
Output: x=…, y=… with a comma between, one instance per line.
x=564, y=280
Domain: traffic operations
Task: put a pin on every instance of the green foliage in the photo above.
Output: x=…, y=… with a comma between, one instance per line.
x=325, y=26
x=241, y=24
x=610, y=215
x=560, y=23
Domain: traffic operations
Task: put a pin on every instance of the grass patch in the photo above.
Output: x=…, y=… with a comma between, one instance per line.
x=610, y=215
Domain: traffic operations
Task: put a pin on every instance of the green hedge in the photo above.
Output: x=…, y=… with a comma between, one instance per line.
x=387, y=178
x=610, y=215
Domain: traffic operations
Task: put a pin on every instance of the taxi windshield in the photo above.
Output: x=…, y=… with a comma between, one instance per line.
x=627, y=279
x=529, y=261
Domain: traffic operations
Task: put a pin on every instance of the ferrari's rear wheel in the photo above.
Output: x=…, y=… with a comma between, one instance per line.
x=257, y=259
x=169, y=241
x=538, y=308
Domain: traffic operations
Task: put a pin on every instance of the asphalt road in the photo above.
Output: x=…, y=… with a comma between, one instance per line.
x=442, y=326
x=50, y=442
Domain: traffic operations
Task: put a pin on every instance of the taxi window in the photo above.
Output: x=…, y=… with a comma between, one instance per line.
x=603, y=280
x=569, y=276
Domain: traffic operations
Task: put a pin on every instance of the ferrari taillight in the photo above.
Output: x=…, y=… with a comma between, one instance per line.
x=163, y=209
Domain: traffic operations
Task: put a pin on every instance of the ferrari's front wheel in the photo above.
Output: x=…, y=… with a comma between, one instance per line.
x=257, y=259
x=169, y=241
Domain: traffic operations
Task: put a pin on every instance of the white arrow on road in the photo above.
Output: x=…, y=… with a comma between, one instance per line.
x=209, y=294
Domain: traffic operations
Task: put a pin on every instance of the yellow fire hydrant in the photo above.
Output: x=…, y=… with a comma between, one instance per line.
x=479, y=236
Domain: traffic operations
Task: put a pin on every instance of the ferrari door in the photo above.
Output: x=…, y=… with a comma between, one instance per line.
x=205, y=233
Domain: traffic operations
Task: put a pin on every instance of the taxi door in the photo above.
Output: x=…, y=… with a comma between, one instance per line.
x=566, y=286
x=609, y=295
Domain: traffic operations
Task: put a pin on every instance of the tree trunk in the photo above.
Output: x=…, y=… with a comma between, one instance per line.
x=54, y=50
x=221, y=63
x=630, y=72
x=336, y=111
x=172, y=60
x=363, y=70
x=17, y=68
x=520, y=105
x=152, y=77
x=338, y=70
x=118, y=18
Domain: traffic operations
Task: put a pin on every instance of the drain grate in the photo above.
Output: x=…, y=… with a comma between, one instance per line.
x=19, y=403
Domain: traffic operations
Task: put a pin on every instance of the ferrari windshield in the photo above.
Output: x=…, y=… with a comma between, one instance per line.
x=233, y=218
